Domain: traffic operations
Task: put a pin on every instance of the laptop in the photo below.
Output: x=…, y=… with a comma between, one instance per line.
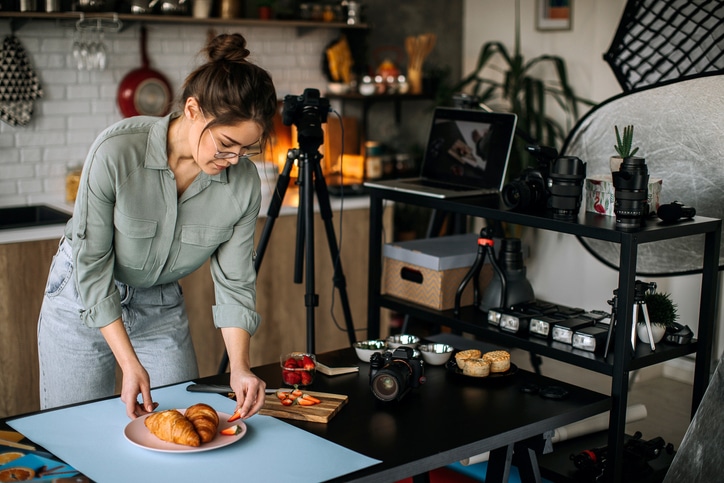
x=467, y=155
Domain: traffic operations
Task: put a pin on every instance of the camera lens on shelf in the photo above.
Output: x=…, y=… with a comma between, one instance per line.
x=527, y=192
x=565, y=184
x=631, y=184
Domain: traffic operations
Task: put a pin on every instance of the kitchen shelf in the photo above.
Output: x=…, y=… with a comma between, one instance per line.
x=19, y=18
x=621, y=359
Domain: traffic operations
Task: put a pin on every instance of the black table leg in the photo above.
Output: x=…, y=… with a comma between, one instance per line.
x=421, y=478
x=499, y=465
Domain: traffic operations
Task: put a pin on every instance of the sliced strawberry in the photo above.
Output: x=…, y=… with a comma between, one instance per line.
x=288, y=401
x=306, y=377
x=304, y=402
x=281, y=395
x=234, y=417
x=296, y=393
x=291, y=363
x=307, y=363
x=231, y=430
x=309, y=397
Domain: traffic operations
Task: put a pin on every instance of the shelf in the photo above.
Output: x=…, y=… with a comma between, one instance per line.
x=22, y=17
x=473, y=321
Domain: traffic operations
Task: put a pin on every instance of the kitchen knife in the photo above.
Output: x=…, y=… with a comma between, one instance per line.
x=218, y=388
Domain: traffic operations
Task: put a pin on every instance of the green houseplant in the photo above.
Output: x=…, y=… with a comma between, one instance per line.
x=518, y=90
x=624, y=146
x=663, y=313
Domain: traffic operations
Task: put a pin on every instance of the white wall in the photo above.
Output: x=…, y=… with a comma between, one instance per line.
x=558, y=263
x=77, y=105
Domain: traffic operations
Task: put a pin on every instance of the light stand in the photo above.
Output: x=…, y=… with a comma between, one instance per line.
x=307, y=112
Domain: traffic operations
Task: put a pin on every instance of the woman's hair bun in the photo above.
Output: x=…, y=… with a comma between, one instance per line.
x=228, y=47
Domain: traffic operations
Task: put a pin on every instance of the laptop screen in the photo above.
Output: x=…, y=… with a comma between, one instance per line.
x=469, y=147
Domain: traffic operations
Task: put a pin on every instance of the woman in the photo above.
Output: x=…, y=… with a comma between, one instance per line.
x=158, y=197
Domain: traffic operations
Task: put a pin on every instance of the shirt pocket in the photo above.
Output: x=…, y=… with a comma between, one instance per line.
x=198, y=242
x=133, y=240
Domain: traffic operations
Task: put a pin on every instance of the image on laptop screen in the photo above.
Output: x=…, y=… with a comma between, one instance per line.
x=468, y=147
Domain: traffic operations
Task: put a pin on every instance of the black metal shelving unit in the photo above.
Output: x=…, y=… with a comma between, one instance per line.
x=622, y=359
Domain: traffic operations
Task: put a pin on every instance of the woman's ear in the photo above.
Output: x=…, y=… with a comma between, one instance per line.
x=191, y=108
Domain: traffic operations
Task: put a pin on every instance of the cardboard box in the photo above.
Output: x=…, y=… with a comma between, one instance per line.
x=428, y=271
x=601, y=194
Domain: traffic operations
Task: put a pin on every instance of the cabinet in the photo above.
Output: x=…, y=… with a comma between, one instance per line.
x=621, y=359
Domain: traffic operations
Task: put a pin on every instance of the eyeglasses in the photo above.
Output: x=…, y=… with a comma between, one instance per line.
x=243, y=154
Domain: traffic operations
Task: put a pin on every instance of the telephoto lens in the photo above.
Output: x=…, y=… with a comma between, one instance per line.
x=565, y=184
x=631, y=184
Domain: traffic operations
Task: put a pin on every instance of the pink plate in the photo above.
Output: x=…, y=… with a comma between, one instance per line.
x=137, y=433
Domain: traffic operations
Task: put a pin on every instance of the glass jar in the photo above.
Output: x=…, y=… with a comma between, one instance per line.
x=72, y=181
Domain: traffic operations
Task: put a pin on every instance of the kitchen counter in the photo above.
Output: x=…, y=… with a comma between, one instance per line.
x=291, y=202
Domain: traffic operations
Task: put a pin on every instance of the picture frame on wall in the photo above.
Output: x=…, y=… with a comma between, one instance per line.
x=554, y=15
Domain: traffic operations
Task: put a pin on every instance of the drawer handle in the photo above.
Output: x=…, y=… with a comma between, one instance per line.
x=411, y=275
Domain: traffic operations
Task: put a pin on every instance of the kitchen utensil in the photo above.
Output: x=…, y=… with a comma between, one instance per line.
x=144, y=91
x=319, y=413
x=418, y=48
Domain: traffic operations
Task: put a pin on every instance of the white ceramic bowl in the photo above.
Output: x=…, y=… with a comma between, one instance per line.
x=338, y=88
x=435, y=354
x=366, y=348
x=395, y=341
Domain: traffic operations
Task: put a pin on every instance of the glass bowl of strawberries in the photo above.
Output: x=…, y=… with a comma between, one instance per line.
x=298, y=368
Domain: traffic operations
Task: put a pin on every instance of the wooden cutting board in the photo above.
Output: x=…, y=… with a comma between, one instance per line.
x=319, y=413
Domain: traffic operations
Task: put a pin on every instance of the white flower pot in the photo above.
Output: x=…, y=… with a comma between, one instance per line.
x=657, y=331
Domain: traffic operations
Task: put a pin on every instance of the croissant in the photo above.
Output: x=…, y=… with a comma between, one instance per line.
x=174, y=427
x=205, y=420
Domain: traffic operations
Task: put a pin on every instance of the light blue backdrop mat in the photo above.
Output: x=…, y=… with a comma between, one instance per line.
x=90, y=438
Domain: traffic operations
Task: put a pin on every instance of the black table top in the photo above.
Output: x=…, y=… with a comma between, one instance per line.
x=446, y=419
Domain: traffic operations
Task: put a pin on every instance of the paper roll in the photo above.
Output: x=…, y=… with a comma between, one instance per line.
x=590, y=425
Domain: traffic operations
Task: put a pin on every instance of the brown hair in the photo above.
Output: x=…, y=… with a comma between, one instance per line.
x=230, y=88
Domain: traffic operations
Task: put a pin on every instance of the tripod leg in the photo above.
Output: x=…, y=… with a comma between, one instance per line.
x=648, y=327
x=633, y=326
x=306, y=211
x=274, y=208
x=611, y=326
x=340, y=282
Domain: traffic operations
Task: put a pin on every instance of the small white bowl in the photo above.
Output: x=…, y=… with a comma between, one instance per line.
x=395, y=341
x=435, y=354
x=366, y=348
x=338, y=88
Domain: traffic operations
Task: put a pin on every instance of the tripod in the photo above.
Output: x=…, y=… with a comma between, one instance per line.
x=640, y=289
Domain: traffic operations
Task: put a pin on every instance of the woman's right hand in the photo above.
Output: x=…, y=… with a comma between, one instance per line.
x=135, y=377
x=135, y=382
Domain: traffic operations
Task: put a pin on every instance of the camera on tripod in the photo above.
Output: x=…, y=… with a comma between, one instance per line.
x=556, y=184
x=308, y=112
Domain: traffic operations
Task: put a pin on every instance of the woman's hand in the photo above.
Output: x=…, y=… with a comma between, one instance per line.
x=135, y=382
x=135, y=377
x=249, y=391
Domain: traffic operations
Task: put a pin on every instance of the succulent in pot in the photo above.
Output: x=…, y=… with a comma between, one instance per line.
x=624, y=146
x=663, y=313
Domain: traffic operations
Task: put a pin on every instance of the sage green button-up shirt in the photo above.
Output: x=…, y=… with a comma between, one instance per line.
x=129, y=224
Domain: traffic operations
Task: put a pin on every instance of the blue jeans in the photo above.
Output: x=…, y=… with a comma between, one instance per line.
x=76, y=363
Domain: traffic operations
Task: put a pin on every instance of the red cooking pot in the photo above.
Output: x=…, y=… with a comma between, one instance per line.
x=144, y=91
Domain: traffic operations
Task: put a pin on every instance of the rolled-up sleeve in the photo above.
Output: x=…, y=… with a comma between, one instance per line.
x=233, y=273
x=92, y=237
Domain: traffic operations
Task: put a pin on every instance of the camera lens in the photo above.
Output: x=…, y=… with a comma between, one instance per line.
x=526, y=192
x=390, y=382
x=566, y=186
x=631, y=184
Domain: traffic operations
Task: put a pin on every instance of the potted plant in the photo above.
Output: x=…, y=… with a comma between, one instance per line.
x=623, y=146
x=663, y=313
x=516, y=89
x=264, y=9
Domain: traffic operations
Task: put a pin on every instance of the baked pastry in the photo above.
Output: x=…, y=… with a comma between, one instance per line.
x=476, y=368
x=205, y=420
x=499, y=360
x=174, y=427
x=462, y=356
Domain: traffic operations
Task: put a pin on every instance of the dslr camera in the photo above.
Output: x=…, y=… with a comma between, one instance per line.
x=308, y=112
x=556, y=184
x=393, y=374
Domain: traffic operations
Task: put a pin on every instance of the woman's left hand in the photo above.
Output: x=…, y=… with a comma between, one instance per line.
x=249, y=391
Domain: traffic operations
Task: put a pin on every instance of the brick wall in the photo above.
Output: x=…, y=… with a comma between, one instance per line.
x=77, y=105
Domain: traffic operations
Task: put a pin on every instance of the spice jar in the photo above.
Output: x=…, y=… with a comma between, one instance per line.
x=72, y=181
